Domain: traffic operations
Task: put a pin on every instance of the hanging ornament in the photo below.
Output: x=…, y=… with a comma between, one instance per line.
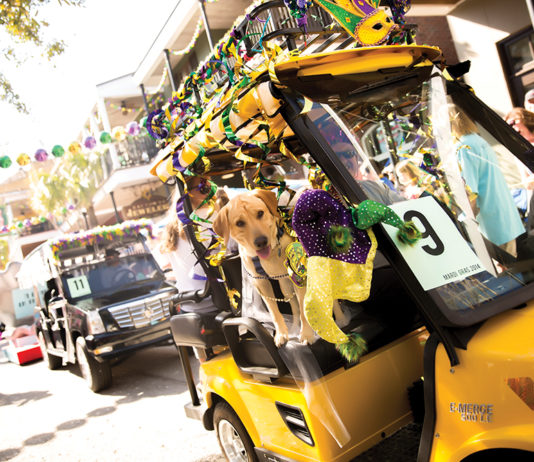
x=90, y=142
x=133, y=128
x=75, y=147
x=5, y=162
x=58, y=151
x=40, y=155
x=105, y=138
x=119, y=133
x=23, y=159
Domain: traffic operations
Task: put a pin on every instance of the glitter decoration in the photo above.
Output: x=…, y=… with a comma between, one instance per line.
x=133, y=128
x=90, y=142
x=58, y=151
x=23, y=159
x=105, y=138
x=5, y=162
x=40, y=155
x=75, y=147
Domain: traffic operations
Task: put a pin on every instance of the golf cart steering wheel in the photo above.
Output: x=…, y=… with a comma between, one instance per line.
x=123, y=275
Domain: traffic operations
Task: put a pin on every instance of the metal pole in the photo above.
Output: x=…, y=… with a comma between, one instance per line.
x=147, y=109
x=530, y=8
x=169, y=194
x=169, y=69
x=184, y=359
x=84, y=213
x=206, y=24
x=117, y=216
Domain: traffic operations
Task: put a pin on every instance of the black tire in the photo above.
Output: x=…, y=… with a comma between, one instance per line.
x=96, y=374
x=52, y=361
x=233, y=438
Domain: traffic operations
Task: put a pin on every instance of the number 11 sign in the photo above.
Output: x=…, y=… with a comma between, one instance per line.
x=442, y=255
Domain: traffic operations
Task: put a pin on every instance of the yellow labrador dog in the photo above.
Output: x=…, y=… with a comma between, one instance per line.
x=252, y=220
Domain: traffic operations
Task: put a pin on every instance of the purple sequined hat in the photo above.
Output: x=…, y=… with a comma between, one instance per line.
x=315, y=214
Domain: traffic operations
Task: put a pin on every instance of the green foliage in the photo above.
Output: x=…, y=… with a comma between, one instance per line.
x=19, y=19
x=75, y=177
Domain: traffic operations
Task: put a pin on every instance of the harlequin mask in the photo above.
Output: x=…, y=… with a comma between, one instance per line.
x=374, y=29
x=361, y=18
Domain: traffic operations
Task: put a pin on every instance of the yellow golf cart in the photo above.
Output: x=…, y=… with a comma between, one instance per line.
x=448, y=374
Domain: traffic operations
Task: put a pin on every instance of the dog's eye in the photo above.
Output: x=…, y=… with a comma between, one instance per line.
x=260, y=213
x=240, y=223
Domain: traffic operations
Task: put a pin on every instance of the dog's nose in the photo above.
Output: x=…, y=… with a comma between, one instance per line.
x=260, y=242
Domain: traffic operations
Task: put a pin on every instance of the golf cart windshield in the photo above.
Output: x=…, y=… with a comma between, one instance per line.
x=432, y=154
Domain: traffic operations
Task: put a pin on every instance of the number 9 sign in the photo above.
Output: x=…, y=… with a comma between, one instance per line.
x=441, y=255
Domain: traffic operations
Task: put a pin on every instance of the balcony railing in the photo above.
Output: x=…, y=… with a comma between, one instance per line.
x=36, y=229
x=131, y=152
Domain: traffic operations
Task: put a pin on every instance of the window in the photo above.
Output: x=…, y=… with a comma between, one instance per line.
x=517, y=57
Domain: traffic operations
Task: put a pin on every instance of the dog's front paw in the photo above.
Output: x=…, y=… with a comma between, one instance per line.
x=307, y=335
x=281, y=337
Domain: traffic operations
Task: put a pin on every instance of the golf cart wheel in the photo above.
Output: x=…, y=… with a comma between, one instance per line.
x=96, y=374
x=234, y=440
x=53, y=362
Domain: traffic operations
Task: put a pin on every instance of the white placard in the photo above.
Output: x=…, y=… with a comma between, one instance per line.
x=78, y=286
x=442, y=255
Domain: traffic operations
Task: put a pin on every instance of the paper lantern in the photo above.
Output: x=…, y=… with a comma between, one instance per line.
x=118, y=133
x=23, y=159
x=89, y=142
x=75, y=147
x=133, y=128
x=40, y=155
x=58, y=151
x=105, y=138
x=5, y=162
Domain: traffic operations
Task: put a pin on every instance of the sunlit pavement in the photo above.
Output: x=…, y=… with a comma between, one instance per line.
x=52, y=415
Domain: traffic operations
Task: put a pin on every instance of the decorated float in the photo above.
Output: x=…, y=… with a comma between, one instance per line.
x=394, y=225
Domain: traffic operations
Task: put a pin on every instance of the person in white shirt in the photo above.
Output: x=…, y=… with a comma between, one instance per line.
x=188, y=272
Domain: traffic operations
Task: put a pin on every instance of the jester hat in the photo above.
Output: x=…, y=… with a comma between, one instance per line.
x=341, y=249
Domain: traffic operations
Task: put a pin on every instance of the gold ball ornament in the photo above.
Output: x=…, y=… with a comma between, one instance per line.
x=119, y=133
x=23, y=159
x=75, y=148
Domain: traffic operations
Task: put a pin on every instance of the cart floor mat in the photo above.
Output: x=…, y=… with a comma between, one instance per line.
x=401, y=446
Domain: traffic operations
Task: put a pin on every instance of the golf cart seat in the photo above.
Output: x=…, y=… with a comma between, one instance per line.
x=200, y=330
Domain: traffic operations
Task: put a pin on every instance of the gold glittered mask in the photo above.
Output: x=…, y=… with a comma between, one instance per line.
x=374, y=29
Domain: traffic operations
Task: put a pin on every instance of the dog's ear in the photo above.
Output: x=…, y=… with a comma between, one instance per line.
x=269, y=197
x=220, y=224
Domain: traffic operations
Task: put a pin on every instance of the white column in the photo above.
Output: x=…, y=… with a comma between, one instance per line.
x=103, y=114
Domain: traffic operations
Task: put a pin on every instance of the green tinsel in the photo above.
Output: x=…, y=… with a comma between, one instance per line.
x=339, y=238
x=408, y=233
x=353, y=349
